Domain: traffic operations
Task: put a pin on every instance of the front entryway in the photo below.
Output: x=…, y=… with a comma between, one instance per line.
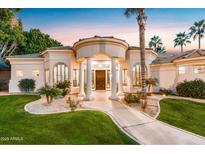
x=100, y=80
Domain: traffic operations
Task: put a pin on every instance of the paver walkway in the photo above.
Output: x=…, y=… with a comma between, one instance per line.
x=144, y=129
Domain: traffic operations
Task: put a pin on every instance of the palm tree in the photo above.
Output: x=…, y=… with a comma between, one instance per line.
x=156, y=44
x=151, y=82
x=181, y=40
x=50, y=92
x=197, y=31
x=141, y=19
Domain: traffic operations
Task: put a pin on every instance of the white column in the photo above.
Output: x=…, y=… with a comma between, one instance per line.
x=88, y=80
x=114, y=81
x=120, y=82
x=81, y=80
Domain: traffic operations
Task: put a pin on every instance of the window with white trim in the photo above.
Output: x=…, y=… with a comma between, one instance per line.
x=75, y=77
x=181, y=70
x=124, y=76
x=60, y=72
x=19, y=73
x=199, y=69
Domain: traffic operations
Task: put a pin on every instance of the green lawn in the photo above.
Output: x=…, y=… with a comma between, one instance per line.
x=184, y=114
x=82, y=127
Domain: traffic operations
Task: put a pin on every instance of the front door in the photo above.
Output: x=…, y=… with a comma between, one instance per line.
x=100, y=79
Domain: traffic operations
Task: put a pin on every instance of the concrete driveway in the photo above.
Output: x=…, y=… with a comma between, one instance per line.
x=144, y=129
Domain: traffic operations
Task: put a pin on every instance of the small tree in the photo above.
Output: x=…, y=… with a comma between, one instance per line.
x=49, y=92
x=64, y=86
x=151, y=82
x=27, y=85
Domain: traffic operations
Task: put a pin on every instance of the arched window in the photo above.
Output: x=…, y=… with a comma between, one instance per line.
x=136, y=74
x=60, y=72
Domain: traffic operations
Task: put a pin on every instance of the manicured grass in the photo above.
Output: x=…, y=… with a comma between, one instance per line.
x=82, y=127
x=184, y=114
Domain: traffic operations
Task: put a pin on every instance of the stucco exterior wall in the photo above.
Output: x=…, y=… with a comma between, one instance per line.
x=189, y=70
x=54, y=57
x=26, y=66
x=111, y=50
x=133, y=58
x=169, y=76
x=166, y=75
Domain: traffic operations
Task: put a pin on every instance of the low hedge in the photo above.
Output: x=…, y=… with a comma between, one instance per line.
x=194, y=88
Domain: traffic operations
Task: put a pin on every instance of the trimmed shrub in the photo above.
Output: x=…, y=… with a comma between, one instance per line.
x=194, y=88
x=166, y=91
x=64, y=86
x=27, y=85
x=131, y=98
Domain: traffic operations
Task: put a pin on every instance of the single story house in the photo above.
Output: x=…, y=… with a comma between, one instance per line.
x=104, y=63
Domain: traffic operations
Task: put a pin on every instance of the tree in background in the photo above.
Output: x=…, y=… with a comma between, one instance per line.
x=157, y=45
x=36, y=42
x=141, y=19
x=181, y=40
x=197, y=31
x=11, y=32
x=13, y=40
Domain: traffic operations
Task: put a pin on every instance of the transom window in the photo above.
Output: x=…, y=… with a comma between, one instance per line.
x=198, y=69
x=60, y=72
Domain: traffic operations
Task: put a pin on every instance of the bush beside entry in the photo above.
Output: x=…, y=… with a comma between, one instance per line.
x=27, y=85
x=194, y=88
x=131, y=98
x=64, y=86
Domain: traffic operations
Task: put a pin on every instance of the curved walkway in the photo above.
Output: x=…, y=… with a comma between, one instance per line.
x=144, y=129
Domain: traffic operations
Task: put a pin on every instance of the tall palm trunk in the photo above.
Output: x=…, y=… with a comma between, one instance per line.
x=182, y=48
x=199, y=39
x=142, y=22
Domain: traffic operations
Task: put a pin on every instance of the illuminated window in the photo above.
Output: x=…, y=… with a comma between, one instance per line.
x=35, y=73
x=60, y=72
x=47, y=76
x=19, y=73
x=136, y=74
x=75, y=77
x=199, y=69
x=124, y=76
x=181, y=69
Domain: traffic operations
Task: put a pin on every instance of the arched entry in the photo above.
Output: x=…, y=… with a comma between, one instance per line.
x=102, y=51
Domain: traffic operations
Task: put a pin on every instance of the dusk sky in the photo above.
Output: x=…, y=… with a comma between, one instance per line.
x=70, y=25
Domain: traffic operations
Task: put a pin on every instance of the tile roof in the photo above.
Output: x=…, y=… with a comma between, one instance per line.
x=60, y=48
x=170, y=57
x=35, y=55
